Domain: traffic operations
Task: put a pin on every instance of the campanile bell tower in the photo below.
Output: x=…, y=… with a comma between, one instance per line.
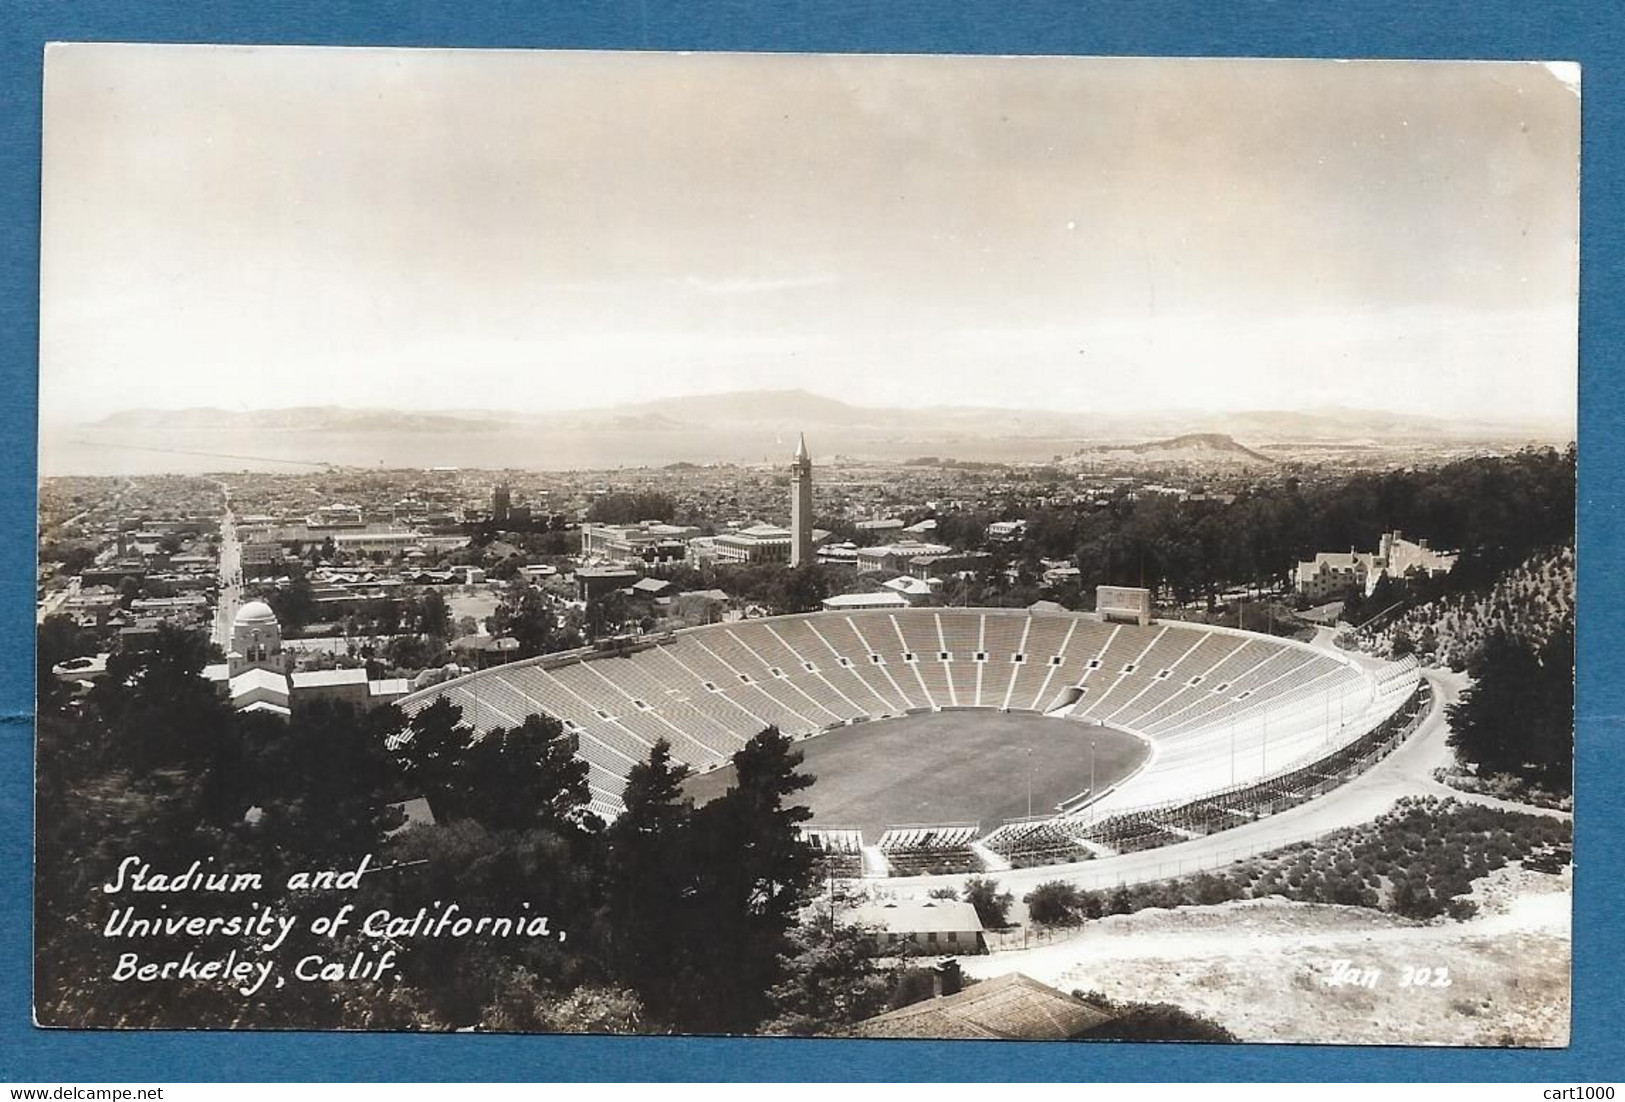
x=801, y=504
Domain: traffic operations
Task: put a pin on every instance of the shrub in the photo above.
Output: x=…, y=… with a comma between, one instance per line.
x=1208, y=889
x=1055, y=903
x=1152, y=1022
x=1461, y=909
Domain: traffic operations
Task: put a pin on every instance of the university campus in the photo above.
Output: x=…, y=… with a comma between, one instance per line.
x=959, y=548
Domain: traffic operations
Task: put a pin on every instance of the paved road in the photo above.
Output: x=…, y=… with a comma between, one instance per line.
x=231, y=577
x=53, y=602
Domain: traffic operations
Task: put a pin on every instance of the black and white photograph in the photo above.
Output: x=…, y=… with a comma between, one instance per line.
x=815, y=545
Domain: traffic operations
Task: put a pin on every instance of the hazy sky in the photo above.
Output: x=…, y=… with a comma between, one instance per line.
x=420, y=229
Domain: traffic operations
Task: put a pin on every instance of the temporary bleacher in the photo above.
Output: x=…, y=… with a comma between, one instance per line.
x=839, y=849
x=1047, y=841
x=931, y=850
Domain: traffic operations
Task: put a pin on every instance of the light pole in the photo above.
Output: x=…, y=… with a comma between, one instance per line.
x=1029, y=782
x=1091, y=769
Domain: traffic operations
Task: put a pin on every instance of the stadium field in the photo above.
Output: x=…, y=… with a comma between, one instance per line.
x=942, y=767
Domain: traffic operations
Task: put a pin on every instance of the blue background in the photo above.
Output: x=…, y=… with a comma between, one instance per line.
x=1591, y=34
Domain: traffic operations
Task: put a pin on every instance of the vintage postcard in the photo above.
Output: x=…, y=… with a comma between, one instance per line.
x=1037, y=548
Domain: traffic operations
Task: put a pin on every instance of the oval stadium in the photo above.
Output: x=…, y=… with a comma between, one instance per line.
x=960, y=739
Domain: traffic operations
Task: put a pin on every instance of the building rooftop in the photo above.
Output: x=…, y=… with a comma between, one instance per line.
x=316, y=679
x=268, y=707
x=259, y=678
x=888, y=599
x=253, y=614
x=1009, y=1007
x=918, y=916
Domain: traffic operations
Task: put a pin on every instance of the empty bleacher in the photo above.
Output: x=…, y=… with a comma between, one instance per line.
x=708, y=690
x=931, y=850
x=1038, y=842
x=839, y=849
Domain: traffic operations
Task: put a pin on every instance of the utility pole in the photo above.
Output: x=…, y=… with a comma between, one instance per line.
x=829, y=866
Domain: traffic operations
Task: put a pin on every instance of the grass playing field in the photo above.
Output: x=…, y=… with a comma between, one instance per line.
x=943, y=767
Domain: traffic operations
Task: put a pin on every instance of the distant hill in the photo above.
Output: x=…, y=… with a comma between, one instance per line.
x=1196, y=448
x=788, y=411
x=294, y=419
x=1211, y=443
x=751, y=426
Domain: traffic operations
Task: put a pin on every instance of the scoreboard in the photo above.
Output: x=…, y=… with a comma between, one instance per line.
x=1120, y=602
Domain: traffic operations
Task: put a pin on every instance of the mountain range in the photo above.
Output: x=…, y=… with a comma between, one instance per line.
x=782, y=412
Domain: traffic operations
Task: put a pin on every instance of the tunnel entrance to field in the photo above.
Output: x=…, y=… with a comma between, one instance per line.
x=942, y=767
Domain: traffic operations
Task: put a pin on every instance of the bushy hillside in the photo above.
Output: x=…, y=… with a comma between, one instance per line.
x=1530, y=603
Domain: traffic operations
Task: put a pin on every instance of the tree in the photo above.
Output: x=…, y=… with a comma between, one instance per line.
x=430, y=751
x=322, y=780
x=427, y=615
x=649, y=876
x=753, y=873
x=524, y=778
x=629, y=508
x=525, y=615
x=992, y=906
x=1055, y=903
x=522, y=1003
x=57, y=640
x=129, y=589
x=294, y=603
x=414, y=652
x=536, y=872
x=155, y=706
x=607, y=614
x=830, y=980
x=806, y=589
x=1518, y=715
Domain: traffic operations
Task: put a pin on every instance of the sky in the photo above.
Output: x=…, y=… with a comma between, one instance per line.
x=269, y=227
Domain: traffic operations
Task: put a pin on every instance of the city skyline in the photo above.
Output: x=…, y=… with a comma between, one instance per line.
x=252, y=228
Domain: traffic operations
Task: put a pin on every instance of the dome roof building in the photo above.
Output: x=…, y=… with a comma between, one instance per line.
x=256, y=639
x=255, y=614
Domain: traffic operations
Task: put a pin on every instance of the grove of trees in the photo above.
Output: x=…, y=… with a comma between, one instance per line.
x=677, y=917
x=1493, y=509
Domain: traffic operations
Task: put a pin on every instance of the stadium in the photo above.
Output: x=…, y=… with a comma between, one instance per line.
x=969, y=739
